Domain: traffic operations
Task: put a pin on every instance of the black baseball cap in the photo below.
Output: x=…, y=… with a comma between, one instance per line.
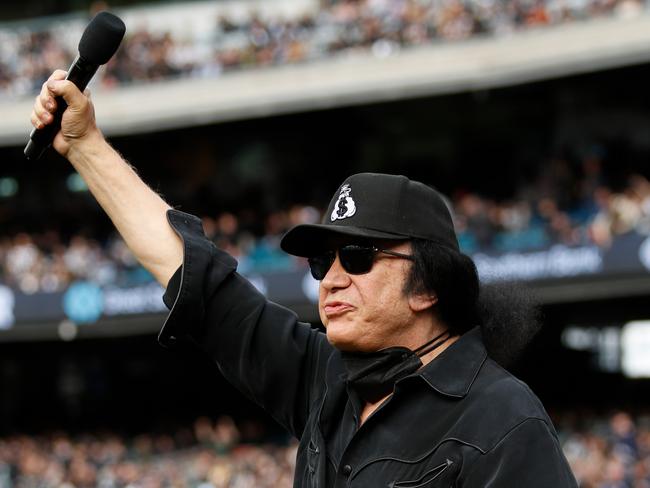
x=377, y=206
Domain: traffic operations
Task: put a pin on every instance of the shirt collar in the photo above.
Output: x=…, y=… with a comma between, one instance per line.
x=453, y=372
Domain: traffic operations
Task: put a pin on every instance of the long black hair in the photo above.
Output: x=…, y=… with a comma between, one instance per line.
x=507, y=313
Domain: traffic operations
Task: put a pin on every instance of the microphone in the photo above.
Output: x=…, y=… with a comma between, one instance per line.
x=100, y=40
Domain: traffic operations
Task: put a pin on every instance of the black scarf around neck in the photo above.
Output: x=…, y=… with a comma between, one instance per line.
x=372, y=375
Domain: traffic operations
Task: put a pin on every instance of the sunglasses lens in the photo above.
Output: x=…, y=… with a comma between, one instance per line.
x=320, y=265
x=356, y=259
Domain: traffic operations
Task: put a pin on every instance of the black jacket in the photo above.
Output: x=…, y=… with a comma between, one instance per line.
x=460, y=421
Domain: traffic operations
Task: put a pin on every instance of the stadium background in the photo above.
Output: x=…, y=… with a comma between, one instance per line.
x=544, y=159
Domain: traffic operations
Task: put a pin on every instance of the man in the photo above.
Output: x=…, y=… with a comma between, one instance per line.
x=400, y=391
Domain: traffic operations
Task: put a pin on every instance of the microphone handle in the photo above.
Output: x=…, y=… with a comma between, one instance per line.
x=80, y=73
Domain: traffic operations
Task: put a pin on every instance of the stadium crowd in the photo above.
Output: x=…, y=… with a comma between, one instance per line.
x=48, y=262
x=44, y=263
x=604, y=452
x=612, y=452
x=563, y=205
x=29, y=55
x=558, y=209
x=208, y=456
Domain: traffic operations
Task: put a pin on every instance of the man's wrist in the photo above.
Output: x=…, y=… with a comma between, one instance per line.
x=90, y=145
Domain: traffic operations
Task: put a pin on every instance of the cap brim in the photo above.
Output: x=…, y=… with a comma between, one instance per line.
x=310, y=239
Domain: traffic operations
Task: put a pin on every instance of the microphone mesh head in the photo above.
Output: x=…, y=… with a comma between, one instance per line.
x=101, y=38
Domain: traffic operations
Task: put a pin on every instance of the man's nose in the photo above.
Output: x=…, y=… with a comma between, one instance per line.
x=336, y=276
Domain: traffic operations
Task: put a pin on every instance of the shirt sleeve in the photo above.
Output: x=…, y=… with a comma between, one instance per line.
x=529, y=455
x=259, y=346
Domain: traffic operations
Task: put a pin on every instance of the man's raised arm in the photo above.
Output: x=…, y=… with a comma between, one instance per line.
x=139, y=213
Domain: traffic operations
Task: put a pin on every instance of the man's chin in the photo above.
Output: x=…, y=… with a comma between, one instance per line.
x=341, y=337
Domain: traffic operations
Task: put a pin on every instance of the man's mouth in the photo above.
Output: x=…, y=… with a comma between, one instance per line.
x=332, y=309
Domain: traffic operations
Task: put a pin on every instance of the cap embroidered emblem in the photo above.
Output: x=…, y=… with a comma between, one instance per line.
x=344, y=206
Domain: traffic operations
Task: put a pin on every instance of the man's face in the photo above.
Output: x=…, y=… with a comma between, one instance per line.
x=367, y=312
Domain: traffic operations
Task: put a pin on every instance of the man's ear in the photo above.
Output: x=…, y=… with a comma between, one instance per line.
x=419, y=302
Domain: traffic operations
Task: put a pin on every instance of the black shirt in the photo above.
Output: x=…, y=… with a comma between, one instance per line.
x=460, y=421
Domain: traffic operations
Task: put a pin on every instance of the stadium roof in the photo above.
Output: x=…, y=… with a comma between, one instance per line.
x=444, y=68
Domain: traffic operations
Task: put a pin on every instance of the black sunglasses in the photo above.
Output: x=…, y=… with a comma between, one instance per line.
x=355, y=259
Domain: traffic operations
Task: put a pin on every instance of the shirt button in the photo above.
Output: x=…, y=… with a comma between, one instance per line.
x=347, y=469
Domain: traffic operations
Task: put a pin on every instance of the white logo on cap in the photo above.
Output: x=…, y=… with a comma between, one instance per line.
x=344, y=206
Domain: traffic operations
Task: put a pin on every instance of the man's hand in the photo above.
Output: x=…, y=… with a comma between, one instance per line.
x=78, y=123
x=137, y=212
